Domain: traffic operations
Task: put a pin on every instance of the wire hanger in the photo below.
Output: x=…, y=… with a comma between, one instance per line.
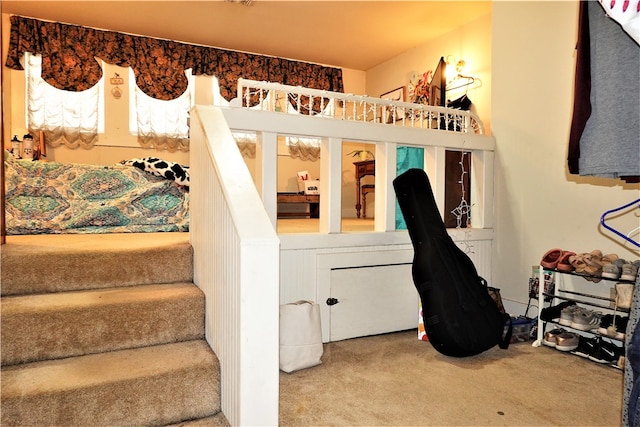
x=624, y=236
x=469, y=82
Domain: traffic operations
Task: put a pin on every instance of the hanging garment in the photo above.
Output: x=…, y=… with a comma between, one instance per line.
x=609, y=145
x=582, y=90
x=462, y=103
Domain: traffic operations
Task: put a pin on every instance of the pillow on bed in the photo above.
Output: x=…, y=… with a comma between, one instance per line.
x=163, y=168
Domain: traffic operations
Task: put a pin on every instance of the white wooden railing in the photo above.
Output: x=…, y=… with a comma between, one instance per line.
x=360, y=108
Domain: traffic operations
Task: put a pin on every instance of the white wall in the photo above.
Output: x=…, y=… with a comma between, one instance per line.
x=538, y=204
x=471, y=42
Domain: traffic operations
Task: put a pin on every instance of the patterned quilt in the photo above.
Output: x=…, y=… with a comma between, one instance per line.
x=54, y=198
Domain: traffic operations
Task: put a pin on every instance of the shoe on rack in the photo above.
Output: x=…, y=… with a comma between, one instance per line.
x=551, y=313
x=602, y=263
x=577, y=262
x=585, y=320
x=566, y=314
x=608, y=259
x=551, y=257
x=621, y=328
x=630, y=270
x=567, y=341
x=593, y=266
x=613, y=326
x=564, y=263
x=613, y=270
x=586, y=346
x=624, y=294
x=605, y=322
x=606, y=352
x=550, y=337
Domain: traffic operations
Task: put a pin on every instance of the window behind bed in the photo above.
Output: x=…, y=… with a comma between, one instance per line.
x=160, y=123
x=74, y=118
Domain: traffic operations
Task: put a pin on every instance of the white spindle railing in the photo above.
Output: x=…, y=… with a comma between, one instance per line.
x=360, y=108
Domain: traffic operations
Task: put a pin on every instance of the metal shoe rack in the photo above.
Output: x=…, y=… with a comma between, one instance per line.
x=592, y=300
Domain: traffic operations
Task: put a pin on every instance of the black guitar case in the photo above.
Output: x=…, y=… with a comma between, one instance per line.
x=460, y=317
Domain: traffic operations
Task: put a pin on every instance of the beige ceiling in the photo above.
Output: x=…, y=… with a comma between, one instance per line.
x=349, y=34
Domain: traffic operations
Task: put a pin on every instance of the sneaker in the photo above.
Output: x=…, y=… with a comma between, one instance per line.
x=567, y=341
x=605, y=322
x=613, y=326
x=605, y=352
x=613, y=270
x=624, y=294
x=586, y=346
x=551, y=313
x=566, y=314
x=550, y=337
x=621, y=328
x=605, y=262
x=630, y=271
x=585, y=320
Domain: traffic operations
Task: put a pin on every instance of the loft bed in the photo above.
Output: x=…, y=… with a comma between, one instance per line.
x=44, y=197
x=275, y=97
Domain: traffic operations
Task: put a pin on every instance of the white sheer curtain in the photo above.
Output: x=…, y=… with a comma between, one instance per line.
x=300, y=148
x=159, y=124
x=73, y=119
x=304, y=148
x=246, y=142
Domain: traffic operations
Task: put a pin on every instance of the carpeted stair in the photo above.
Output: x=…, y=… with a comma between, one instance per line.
x=103, y=331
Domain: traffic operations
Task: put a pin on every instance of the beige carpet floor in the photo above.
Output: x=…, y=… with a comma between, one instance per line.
x=396, y=380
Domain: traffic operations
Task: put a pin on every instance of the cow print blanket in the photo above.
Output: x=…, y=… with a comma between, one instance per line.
x=163, y=168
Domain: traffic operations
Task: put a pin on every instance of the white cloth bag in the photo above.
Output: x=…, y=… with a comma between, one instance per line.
x=300, y=336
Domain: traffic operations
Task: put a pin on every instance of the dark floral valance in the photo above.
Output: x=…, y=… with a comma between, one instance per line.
x=69, y=62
